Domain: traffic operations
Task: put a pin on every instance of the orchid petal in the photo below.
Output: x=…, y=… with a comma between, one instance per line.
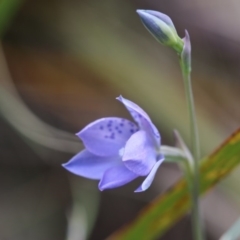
x=149, y=179
x=106, y=136
x=116, y=177
x=85, y=164
x=139, y=153
x=141, y=118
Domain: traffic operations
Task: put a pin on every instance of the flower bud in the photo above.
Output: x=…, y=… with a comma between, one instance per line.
x=162, y=28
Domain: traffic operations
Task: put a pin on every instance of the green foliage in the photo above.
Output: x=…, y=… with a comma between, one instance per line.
x=166, y=210
x=8, y=9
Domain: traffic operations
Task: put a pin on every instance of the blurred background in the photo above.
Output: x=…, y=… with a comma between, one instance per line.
x=62, y=64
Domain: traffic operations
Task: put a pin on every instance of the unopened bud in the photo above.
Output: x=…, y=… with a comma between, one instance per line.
x=162, y=28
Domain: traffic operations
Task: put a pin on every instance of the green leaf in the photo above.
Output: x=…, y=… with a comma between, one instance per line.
x=161, y=214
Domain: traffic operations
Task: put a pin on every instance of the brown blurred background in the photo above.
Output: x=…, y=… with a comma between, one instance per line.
x=62, y=63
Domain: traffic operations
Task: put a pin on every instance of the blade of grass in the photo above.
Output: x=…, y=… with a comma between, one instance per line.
x=155, y=219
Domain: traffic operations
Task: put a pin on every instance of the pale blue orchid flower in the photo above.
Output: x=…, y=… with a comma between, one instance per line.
x=118, y=151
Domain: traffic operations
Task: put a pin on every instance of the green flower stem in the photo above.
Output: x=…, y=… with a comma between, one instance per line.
x=193, y=167
x=194, y=191
x=192, y=115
